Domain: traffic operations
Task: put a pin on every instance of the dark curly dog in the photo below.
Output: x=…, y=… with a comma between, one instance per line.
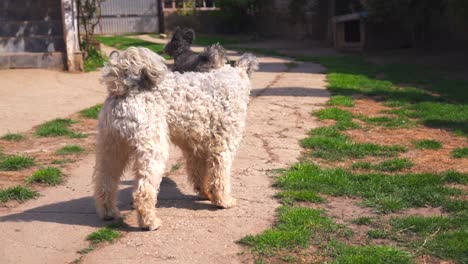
x=213, y=57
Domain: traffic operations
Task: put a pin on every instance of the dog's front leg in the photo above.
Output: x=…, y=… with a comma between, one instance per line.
x=150, y=162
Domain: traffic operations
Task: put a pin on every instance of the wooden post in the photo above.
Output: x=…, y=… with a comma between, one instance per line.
x=174, y=4
x=70, y=36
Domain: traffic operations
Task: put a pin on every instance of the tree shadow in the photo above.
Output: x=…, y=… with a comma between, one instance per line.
x=290, y=91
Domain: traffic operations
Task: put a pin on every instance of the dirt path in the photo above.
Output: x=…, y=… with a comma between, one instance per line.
x=53, y=227
x=30, y=97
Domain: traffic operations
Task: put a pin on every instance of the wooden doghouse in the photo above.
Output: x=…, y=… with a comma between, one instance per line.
x=349, y=32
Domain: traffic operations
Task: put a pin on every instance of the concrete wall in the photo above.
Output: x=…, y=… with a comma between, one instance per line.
x=31, y=34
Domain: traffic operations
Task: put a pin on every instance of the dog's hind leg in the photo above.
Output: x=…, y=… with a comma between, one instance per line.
x=219, y=179
x=112, y=156
x=151, y=155
x=196, y=171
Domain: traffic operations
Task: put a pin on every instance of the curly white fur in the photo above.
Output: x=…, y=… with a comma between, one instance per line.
x=149, y=106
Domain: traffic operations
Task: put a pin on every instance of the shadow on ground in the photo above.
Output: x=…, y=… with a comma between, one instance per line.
x=81, y=211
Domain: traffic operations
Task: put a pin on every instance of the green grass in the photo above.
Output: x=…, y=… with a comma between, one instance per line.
x=176, y=167
x=94, y=61
x=393, y=165
x=353, y=75
x=419, y=225
x=450, y=245
x=18, y=193
x=122, y=42
x=334, y=113
x=385, y=193
x=86, y=250
x=70, y=149
x=206, y=40
x=13, y=137
x=376, y=234
x=266, y=52
x=48, y=175
x=302, y=196
x=91, y=112
x=330, y=144
x=427, y=144
x=15, y=163
x=363, y=220
x=295, y=227
x=103, y=234
x=369, y=255
x=341, y=100
x=445, y=237
x=55, y=128
x=61, y=161
x=389, y=122
x=460, y=153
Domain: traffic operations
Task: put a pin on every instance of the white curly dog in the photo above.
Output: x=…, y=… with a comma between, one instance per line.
x=147, y=107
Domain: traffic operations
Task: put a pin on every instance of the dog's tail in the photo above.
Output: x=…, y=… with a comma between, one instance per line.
x=248, y=62
x=215, y=55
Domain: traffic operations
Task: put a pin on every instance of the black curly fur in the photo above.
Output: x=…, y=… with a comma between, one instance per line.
x=213, y=57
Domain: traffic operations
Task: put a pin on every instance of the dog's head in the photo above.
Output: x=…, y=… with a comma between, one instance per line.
x=137, y=69
x=181, y=41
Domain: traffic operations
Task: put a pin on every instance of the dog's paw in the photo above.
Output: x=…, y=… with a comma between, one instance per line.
x=156, y=224
x=110, y=214
x=227, y=203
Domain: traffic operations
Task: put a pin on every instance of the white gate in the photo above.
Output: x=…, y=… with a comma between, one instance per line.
x=129, y=16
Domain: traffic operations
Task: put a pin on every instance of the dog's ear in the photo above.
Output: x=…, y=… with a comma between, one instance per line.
x=189, y=35
x=113, y=57
x=153, y=71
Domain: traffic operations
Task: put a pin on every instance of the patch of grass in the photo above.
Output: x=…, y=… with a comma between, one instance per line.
x=206, y=40
x=391, y=165
x=48, y=175
x=341, y=100
x=175, y=167
x=302, y=196
x=334, y=113
x=118, y=224
x=385, y=193
x=420, y=225
x=460, y=153
x=376, y=234
x=427, y=144
x=294, y=228
x=94, y=60
x=354, y=75
x=266, y=52
x=394, y=165
x=362, y=165
x=363, y=220
x=86, y=250
x=103, y=234
x=77, y=135
x=55, y=128
x=91, y=112
x=18, y=193
x=122, y=42
x=13, y=137
x=450, y=245
x=389, y=122
x=330, y=144
x=61, y=162
x=15, y=163
x=369, y=255
x=70, y=149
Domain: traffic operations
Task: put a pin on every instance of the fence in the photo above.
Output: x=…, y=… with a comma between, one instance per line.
x=124, y=16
